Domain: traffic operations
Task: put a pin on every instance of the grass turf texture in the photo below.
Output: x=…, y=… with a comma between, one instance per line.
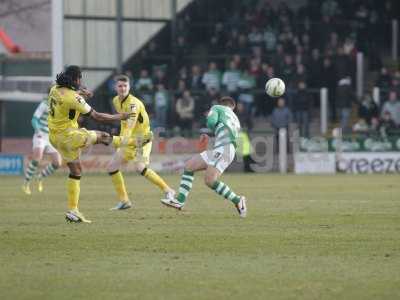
x=306, y=237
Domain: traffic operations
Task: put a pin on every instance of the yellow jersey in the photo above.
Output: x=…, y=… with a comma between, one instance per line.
x=65, y=106
x=140, y=123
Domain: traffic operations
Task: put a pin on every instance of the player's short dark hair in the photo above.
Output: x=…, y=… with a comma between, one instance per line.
x=122, y=78
x=226, y=100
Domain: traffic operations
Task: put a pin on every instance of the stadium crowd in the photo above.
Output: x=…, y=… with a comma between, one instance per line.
x=242, y=44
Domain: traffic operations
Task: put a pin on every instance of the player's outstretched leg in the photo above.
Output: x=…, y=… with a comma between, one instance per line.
x=196, y=163
x=211, y=180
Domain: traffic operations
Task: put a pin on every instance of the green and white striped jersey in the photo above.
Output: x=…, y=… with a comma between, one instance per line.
x=225, y=125
x=39, y=119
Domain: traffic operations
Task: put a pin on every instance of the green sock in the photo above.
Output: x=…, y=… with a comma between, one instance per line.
x=31, y=170
x=50, y=169
x=185, y=186
x=222, y=189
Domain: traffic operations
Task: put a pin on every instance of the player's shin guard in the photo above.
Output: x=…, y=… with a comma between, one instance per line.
x=154, y=178
x=185, y=186
x=119, y=185
x=50, y=169
x=31, y=170
x=73, y=190
x=222, y=189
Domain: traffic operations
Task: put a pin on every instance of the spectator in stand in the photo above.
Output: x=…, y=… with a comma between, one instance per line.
x=344, y=100
x=161, y=103
x=395, y=84
x=278, y=58
x=180, y=88
x=231, y=78
x=218, y=40
x=329, y=80
x=270, y=39
x=387, y=125
x=384, y=82
x=144, y=82
x=333, y=43
x=160, y=77
x=243, y=47
x=255, y=37
x=144, y=87
x=183, y=74
x=361, y=127
x=255, y=67
x=330, y=8
x=263, y=101
x=240, y=63
x=368, y=109
x=185, y=111
x=314, y=68
x=181, y=49
x=212, y=78
x=246, y=84
x=195, y=78
x=343, y=64
x=301, y=109
x=305, y=42
x=288, y=69
x=300, y=74
x=233, y=41
x=280, y=118
x=373, y=131
x=393, y=107
x=300, y=57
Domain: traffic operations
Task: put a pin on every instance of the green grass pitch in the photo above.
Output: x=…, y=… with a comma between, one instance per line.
x=305, y=237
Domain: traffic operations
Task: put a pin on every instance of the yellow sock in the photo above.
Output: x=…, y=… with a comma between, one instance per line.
x=155, y=178
x=73, y=190
x=119, y=185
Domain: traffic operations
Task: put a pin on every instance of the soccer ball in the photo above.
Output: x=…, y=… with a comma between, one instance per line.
x=275, y=87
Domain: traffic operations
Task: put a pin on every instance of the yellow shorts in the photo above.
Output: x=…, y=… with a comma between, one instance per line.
x=137, y=154
x=71, y=142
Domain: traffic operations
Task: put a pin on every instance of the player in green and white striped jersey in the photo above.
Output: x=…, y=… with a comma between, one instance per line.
x=41, y=145
x=225, y=125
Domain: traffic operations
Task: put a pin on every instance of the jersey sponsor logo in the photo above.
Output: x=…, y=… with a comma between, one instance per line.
x=133, y=107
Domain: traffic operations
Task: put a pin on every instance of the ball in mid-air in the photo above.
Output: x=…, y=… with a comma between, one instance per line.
x=275, y=87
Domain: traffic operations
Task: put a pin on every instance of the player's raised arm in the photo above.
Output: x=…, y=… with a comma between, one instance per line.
x=103, y=117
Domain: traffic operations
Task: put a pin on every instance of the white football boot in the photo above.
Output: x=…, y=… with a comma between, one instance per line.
x=242, y=207
x=172, y=202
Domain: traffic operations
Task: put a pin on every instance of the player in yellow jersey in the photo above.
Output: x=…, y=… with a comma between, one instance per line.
x=137, y=127
x=65, y=106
